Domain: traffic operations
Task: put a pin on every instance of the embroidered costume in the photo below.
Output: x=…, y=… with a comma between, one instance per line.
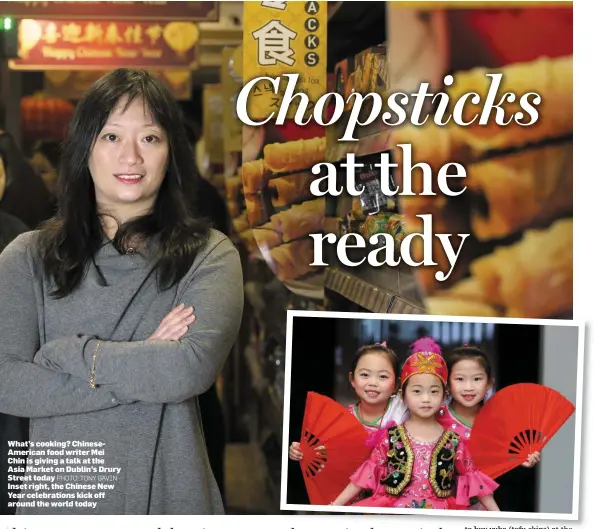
x=396, y=412
x=449, y=420
x=405, y=472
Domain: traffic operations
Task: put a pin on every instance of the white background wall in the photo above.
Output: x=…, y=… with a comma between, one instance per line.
x=559, y=351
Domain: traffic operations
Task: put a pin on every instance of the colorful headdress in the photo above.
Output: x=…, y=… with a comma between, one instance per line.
x=426, y=357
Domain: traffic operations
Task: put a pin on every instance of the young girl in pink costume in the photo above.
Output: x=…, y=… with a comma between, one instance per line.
x=374, y=377
x=470, y=380
x=419, y=464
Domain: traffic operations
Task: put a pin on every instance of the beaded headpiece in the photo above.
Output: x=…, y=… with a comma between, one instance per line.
x=426, y=357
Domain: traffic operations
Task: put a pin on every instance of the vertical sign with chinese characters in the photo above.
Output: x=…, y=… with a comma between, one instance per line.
x=284, y=38
x=281, y=38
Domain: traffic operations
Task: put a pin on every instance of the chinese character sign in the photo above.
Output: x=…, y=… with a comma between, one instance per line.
x=281, y=38
x=80, y=44
x=274, y=43
x=194, y=11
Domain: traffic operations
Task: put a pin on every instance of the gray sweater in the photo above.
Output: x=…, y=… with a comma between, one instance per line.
x=143, y=409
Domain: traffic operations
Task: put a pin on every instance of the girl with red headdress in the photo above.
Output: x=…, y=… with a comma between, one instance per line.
x=419, y=464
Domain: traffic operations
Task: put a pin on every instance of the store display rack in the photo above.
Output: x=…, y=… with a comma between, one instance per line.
x=367, y=295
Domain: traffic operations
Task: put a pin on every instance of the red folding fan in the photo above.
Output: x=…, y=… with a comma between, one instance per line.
x=333, y=446
x=518, y=420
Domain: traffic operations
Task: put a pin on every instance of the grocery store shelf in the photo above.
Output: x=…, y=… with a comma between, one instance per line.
x=372, y=144
x=370, y=290
x=358, y=291
x=379, y=142
x=402, y=306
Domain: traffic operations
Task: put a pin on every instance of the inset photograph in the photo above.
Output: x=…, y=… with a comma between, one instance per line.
x=466, y=416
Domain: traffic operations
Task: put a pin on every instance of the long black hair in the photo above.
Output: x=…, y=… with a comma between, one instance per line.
x=71, y=238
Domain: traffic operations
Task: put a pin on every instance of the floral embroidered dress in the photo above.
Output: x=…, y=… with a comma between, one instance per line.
x=450, y=421
x=403, y=472
x=396, y=412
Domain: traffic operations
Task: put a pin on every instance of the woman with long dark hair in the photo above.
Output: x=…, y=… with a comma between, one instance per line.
x=118, y=313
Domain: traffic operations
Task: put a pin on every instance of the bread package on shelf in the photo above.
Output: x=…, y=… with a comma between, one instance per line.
x=551, y=79
x=301, y=220
x=293, y=260
x=295, y=155
x=389, y=223
x=254, y=176
x=289, y=189
x=281, y=178
x=268, y=236
x=280, y=208
x=256, y=212
x=447, y=306
x=509, y=193
x=517, y=199
x=532, y=278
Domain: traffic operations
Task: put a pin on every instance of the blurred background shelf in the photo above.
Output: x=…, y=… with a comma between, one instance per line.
x=375, y=291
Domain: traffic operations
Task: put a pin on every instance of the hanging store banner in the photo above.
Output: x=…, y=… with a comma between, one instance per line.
x=195, y=11
x=73, y=85
x=281, y=38
x=280, y=210
x=93, y=45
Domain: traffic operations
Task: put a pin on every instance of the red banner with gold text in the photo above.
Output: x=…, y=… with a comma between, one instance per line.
x=196, y=11
x=102, y=45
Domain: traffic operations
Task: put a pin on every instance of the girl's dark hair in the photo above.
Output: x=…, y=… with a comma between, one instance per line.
x=71, y=238
x=468, y=352
x=377, y=348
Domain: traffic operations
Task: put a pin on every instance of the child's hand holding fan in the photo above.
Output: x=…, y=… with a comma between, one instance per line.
x=333, y=446
x=514, y=425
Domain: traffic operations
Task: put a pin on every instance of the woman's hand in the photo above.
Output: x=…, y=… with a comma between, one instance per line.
x=295, y=452
x=532, y=460
x=174, y=325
